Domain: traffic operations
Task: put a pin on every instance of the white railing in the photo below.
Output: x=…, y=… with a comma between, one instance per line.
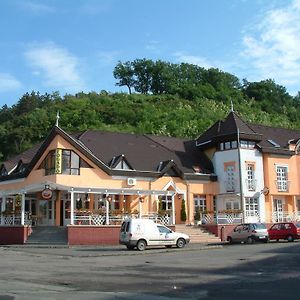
x=14, y=219
x=97, y=220
x=284, y=216
x=221, y=218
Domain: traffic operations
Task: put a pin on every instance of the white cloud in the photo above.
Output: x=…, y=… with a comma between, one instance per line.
x=58, y=68
x=8, y=82
x=192, y=59
x=273, y=45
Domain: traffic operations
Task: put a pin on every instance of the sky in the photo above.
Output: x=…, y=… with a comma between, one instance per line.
x=72, y=46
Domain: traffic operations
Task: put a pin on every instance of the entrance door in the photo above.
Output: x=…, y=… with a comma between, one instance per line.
x=278, y=210
x=67, y=212
x=45, y=212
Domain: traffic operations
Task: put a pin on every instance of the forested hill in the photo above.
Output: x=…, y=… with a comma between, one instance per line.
x=184, y=106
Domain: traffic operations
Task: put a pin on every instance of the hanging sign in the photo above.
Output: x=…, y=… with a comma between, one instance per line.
x=47, y=194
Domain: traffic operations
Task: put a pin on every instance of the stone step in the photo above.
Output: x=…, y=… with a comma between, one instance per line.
x=198, y=234
x=50, y=235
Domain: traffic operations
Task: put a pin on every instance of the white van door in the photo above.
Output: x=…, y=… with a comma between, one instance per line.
x=166, y=236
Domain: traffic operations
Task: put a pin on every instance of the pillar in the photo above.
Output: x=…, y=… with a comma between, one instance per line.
x=72, y=208
x=23, y=209
x=3, y=208
x=58, y=209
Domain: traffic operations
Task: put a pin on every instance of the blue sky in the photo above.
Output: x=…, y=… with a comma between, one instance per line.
x=73, y=45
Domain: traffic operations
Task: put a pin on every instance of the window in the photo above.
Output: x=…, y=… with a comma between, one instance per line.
x=163, y=229
x=232, y=205
x=200, y=202
x=273, y=143
x=282, y=178
x=228, y=145
x=251, y=183
x=230, y=175
x=247, y=144
x=251, y=206
x=61, y=161
x=122, y=165
x=166, y=202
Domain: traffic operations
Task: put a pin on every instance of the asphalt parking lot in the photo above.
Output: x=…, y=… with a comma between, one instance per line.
x=261, y=271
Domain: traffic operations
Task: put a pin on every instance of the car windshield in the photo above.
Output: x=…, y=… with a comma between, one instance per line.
x=259, y=226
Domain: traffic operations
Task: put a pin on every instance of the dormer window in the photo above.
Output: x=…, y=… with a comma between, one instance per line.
x=273, y=143
x=122, y=165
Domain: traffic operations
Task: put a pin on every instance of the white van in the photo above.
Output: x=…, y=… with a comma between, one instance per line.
x=141, y=233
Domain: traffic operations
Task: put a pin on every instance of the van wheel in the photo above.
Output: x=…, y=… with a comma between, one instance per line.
x=180, y=243
x=130, y=247
x=290, y=238
x=141, y=245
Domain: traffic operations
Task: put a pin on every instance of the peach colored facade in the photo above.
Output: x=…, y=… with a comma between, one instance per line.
x=289, y=198
x=142, y=198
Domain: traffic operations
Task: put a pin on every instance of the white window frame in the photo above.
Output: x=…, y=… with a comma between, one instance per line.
x=200, y=201
x=282, y=177
x=251, y=206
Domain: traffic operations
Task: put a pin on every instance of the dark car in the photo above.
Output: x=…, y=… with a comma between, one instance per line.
x=249, y=233
x=285, y=231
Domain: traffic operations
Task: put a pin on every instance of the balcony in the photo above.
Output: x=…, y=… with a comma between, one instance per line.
x=282, y=185
x=251, y=184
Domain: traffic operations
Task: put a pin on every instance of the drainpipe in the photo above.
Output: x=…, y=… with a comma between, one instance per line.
x=240, y=175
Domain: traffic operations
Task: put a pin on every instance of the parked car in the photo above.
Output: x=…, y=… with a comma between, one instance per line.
x=249, y=233
x=140, y=233
x=285, y=231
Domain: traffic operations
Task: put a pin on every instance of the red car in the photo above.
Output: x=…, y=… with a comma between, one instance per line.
x=285, y=231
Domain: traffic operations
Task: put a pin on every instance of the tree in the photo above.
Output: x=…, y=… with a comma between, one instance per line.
x=124, y=73
x=143, y=71
x=183, y=211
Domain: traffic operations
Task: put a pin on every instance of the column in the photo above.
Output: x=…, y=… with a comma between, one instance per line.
x=72, y=208
x=107, y=211
x=23, y=209
x=173, y=209
x=58, y=208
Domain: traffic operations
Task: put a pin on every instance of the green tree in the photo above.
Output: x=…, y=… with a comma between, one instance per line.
x=124, y=73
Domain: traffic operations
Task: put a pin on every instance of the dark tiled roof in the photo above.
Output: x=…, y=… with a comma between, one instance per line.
x=228, y=129
x=280, y=136
x=268, y=139
x=142, y=153
x=145, y=152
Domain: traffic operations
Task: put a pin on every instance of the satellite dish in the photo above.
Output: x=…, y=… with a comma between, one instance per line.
x=265, y=191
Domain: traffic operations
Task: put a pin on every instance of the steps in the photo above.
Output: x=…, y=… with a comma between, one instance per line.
x=198, y=234
x=48, y=235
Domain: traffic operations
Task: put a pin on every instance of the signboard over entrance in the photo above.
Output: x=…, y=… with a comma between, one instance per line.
x=47, y=194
